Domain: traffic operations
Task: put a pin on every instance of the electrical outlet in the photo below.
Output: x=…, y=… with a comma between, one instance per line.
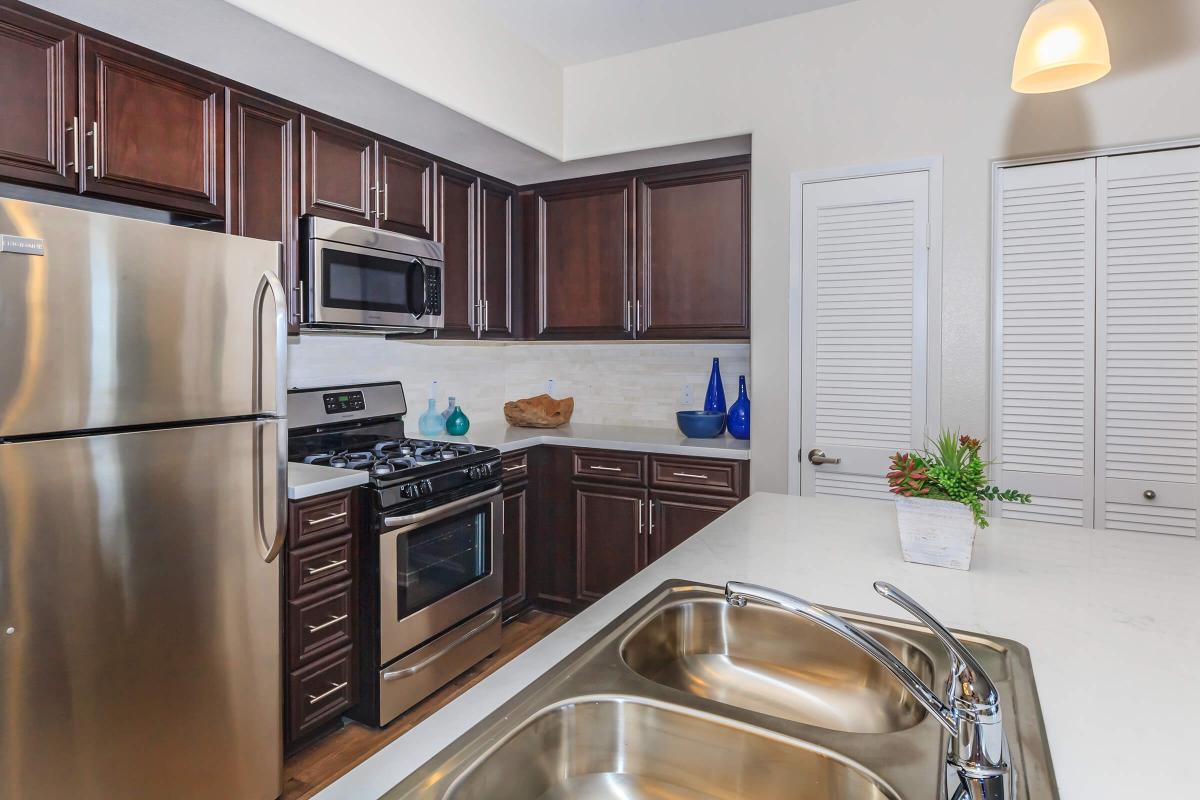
x=550, y=386
x=688, y=397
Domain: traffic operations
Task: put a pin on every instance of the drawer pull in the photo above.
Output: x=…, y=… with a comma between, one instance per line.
x=695, y=475
x=324, y=625
x=518, y=466
x=606, y=469
x=330, y=565
x=323, y=520
x=313, y=699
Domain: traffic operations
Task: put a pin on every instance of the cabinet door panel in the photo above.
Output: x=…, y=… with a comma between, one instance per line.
x=38, y=101
x=496, y=258
x=584, y=261
x=694, y=254
x=609, y=525
x=406, y=179
x=263, y=193
x=456, y=227
x=154, y=134
x=338, y=168
x=514, y=547
x=675, y=517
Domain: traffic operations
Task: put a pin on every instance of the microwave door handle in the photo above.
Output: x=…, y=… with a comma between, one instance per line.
x=424, y=290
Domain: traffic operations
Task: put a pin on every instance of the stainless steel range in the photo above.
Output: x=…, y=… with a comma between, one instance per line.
x=431, y=554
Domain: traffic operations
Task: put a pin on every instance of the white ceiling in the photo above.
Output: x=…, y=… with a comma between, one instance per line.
x=578, y=31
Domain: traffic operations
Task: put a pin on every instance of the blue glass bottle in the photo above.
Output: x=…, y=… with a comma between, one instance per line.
x=714, y=398
x=431, y=422
x=457, y=423
x=739, y=412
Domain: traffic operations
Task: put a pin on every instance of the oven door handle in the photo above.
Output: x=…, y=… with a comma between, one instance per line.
x=423, y=663
x=421, y=517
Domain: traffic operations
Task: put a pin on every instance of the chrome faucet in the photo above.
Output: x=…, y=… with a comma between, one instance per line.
x=977, y=757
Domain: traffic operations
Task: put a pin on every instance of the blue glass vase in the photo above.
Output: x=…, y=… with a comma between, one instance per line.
x=431, y=422
x=739, y=412
x=714, y=398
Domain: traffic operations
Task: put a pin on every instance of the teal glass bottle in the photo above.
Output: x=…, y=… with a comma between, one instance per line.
x=457, y=423
x=431, y=422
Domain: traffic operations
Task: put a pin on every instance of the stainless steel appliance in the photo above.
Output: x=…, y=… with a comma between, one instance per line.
x=143, y=494
x=433, y=577
x=369, y=281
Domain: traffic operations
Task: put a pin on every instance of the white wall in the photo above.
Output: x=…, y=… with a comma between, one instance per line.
x=881, y=81
x=624, y=383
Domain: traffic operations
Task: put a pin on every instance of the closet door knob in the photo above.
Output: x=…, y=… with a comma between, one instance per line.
x=1149, y=494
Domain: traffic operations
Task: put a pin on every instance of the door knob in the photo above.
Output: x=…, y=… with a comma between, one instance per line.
x=1149, y=494
x=818, y=457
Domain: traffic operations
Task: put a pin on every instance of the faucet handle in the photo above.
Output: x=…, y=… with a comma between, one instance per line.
x=971, y=689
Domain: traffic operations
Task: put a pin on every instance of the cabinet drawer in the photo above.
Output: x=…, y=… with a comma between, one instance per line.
x=514, y=467
x=696, y=475
x=320, y=518
x=320, y=692
x=318, y=624
x=320, y=565
x=610, y=466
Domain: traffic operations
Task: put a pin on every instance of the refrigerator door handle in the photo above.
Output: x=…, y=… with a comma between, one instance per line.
x=270, y=283
x=272, y=533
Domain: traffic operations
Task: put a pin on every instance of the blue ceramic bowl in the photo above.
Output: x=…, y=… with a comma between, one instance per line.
x=700, y=424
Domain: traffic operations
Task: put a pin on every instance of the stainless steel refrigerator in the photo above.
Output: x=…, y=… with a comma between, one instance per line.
x=143, y=503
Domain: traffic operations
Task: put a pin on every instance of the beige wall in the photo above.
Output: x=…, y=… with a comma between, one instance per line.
x=880, y=81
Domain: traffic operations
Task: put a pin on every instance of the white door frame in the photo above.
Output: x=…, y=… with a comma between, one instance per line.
x=933, y=366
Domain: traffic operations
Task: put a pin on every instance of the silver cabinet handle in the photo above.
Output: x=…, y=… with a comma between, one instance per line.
x=628, y=312
x=420, y=665
x=651, y=517
x=638, y=315
x=95, y=134
x=74, y=129
x=383, y=207
x=329, y=566
x=690, y=475
x=605, y=469
x=299, y=311
x=324, y=625
x=485, y=315
x=313, y=699
x=518, y=466
x=818, y=457
x=323, y=520
x=641, y=516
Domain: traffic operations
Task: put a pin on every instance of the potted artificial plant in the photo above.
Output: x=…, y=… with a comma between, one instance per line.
x=940, y=494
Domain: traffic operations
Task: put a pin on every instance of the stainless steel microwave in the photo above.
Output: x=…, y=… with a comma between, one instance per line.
x=366, y=280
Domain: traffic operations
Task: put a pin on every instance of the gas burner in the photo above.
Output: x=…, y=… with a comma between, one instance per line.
x=394, y=448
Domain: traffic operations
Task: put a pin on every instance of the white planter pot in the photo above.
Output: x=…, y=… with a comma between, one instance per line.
x=936, y=532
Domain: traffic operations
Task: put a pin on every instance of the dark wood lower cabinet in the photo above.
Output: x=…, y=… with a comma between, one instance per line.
x=675, y=517
x=610, y=523
x=515, y=516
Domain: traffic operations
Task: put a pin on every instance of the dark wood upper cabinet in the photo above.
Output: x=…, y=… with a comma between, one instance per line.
x=694, y=254
x=498, y=286
x=39, y=136
x=338, y=171
x=264, y=194
x=582, y=260
x=457, y=192
x=610, y=521
x=153, y=133
x=405, y=188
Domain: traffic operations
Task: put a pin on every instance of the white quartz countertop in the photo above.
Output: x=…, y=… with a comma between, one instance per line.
x=310, y=480
x=665, y=441
x=1111, y=619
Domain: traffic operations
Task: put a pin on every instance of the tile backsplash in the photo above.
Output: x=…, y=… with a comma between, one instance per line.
x=635, y=383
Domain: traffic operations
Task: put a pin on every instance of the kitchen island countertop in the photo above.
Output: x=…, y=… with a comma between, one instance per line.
x=1111, y=619
x=310, y=480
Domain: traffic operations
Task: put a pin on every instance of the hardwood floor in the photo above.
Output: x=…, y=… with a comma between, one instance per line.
x=324, y=761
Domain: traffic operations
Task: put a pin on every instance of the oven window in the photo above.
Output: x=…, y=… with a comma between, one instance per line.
x=438, y=559
x=363, y=282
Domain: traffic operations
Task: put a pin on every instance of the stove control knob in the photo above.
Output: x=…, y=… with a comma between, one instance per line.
x=409, y=490
x=486, y=469
x=474, y=473
x=426, y=488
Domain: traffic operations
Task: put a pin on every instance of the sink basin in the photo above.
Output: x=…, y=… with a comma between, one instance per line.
x=624, y=747
x=773, y=662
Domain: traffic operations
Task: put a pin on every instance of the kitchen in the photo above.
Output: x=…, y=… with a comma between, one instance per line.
x=573, y=219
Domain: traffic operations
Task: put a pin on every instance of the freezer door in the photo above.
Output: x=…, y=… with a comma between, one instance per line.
x=109, y=322
x=139, y=614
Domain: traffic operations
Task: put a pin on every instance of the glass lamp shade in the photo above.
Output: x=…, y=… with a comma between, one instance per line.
x=1063, y=46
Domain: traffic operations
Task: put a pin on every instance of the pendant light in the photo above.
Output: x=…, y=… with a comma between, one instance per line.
x=1063, y=46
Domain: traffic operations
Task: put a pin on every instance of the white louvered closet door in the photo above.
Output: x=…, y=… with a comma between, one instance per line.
x=864, y=265
x=1148, y=387
x=1045, y=295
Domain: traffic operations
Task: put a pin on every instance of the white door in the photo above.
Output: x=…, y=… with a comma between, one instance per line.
x=1045, y=339
x=1147, y=388
x=864, y=329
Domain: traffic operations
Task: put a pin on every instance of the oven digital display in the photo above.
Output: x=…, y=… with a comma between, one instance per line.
x=341, y=402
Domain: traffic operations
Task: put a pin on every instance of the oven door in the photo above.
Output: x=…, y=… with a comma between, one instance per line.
x=436, y=568
x=356, y=286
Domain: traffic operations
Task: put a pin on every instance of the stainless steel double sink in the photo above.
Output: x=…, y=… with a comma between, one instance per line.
x=684, y=697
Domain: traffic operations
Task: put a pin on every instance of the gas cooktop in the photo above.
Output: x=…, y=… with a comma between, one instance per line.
x=391, y=456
